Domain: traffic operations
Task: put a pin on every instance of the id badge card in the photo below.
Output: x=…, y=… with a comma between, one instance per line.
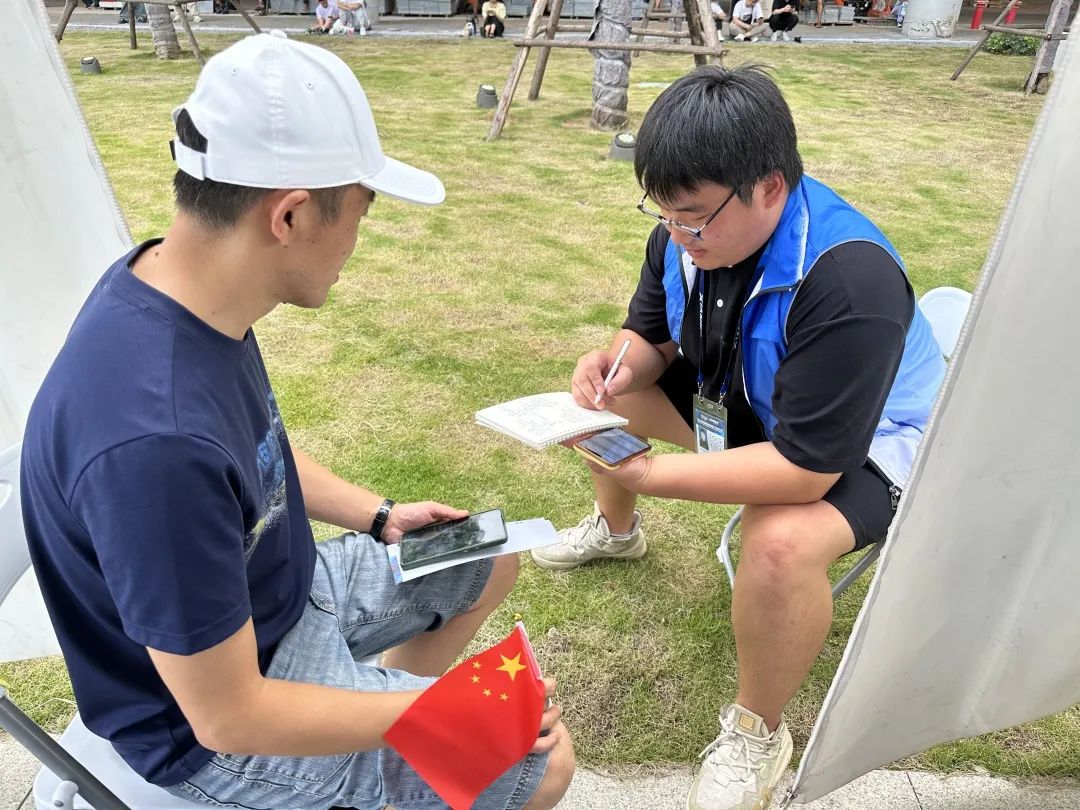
x=710, y=425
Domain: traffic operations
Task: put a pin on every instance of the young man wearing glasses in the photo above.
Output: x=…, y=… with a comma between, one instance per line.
x=772, y=322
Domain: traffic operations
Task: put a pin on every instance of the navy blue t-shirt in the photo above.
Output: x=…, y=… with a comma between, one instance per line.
x=162, y=509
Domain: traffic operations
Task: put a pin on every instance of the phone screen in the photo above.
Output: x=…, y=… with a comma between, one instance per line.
x=454, y=537
x=613, y=446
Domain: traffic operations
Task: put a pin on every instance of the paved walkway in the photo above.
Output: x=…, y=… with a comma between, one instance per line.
x=880, y=790
x=451, y=27
x=17, y=769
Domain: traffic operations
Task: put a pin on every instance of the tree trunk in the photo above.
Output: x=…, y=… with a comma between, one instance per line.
x=166, y=45
x=611, y=74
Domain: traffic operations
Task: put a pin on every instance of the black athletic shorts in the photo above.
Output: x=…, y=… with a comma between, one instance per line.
x=862, y=496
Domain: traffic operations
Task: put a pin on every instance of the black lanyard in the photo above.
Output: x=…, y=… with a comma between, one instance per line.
x=730, y=371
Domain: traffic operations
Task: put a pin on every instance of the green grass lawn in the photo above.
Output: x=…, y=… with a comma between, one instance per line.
x=530, y=263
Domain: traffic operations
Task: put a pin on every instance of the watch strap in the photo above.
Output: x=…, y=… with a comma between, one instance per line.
x=382, y=514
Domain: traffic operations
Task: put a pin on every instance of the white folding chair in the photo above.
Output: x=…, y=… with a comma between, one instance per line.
x=945, y=308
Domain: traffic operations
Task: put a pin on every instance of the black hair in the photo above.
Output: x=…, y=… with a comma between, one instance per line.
x=729, y=127
x=222, y=205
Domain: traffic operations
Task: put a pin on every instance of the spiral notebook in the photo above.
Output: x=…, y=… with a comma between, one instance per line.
x=542, y=420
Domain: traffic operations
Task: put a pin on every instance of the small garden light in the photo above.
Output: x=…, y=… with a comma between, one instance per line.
x=486, y=98
x=622, y=146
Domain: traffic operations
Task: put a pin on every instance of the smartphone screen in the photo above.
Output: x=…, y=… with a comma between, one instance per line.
x=614, y=446
x=441, y=540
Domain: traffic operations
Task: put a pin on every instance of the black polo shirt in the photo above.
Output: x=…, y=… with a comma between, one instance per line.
x=845, y=334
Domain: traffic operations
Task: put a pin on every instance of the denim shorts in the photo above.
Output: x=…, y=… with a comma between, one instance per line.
x=355, y=610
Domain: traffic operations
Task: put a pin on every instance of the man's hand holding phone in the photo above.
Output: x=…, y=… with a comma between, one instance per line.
x=618, y=455
x=612, y=448
x=631, y=475
x=450, y=539
x=407, y=516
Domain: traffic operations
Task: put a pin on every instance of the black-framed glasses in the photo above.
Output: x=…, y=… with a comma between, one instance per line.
x=672, y=223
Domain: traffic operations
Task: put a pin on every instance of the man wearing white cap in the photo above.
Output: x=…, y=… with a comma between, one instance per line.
x=207, y=636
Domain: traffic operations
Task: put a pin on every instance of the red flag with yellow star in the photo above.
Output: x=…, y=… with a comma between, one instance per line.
x=473, y=723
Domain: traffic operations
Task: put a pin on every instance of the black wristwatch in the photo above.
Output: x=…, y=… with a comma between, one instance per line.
x=381, y=516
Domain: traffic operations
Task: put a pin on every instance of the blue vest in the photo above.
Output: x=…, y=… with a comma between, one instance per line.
x=815, y=220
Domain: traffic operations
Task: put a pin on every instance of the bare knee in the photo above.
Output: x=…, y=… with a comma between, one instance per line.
x=558, y=774
x=775, y=549
x=503, y=576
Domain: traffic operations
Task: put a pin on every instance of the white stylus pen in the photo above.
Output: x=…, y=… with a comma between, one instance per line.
x=611, y=372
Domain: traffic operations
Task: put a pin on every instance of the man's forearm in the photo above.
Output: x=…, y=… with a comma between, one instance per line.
x=291, y=719
x=755, y=474
x=234, y=709
x=332, y=499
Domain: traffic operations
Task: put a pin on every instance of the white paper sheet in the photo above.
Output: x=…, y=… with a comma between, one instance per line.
x=521, y=535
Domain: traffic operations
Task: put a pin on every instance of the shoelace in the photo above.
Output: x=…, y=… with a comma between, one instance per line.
x=737, y=766
x=576, y=539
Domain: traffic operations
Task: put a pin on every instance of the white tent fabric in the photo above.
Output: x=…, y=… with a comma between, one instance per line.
x=60, y=229
x=972, y=622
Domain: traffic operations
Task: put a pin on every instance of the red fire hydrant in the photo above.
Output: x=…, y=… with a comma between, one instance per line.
x=1010, y=18
x=980, y=7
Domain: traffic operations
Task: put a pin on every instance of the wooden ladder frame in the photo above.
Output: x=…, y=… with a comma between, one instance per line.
x=1052, y=32
x=69, y=8
x=705, y=45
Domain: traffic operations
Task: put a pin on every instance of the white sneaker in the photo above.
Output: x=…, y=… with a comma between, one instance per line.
x=775, y=36
x=742, y=766
x=590, y=540
x=196, y=18
x=754, y=39
x=784, y=34
x=740, y=38
x=719, y=37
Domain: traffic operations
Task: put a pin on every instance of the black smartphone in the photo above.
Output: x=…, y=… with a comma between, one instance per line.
x=612, y=447
x=452, y=538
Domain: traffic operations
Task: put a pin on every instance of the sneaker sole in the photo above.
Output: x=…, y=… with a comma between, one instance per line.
x=760, y=803
x=557, y=565
x=765, y=797
x=782, y=762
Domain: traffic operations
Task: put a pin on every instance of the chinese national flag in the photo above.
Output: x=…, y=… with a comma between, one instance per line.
x=473, y=723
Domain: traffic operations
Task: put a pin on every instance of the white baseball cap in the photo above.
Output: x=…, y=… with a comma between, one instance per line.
x=282, y=114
